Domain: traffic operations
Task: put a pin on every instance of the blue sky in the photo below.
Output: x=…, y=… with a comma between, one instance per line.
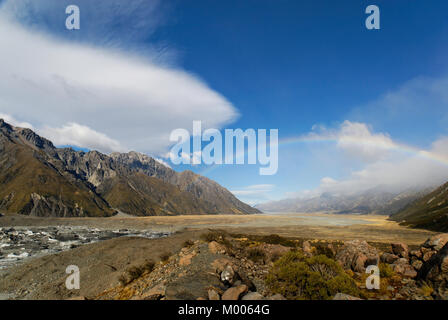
x=288, y=65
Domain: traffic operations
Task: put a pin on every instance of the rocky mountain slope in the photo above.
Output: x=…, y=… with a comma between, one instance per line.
x=374, y=201
x=429, y=212
x=40, y=180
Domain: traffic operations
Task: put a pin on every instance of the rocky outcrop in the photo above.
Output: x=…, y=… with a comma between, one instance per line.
x=400, y=249
x=435, y=269
x=40, y=206
x=389, y=258
x=356, y=255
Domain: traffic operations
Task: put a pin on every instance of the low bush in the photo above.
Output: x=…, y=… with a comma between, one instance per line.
x=386, y=270
x=164, y=257
x=322, y=249
x=317, y=278
x=136, y=272
x=256, y=255
x=188, y=243
x=276, y=239
x=214, y=235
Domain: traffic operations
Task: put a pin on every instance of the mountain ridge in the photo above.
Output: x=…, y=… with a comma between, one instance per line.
x=429, y=212
x=36, y=178
x=373, y=201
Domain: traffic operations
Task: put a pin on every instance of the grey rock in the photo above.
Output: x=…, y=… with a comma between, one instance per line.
x=253, y=296
x=343, y=296
x=228, y=275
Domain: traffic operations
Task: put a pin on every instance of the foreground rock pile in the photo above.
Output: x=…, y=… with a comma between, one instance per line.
x=200, y=271
x=224, y=267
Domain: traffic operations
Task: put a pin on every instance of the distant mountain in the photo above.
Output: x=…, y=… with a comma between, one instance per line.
x=374, y=201
x=429, y=212
x=40, y=180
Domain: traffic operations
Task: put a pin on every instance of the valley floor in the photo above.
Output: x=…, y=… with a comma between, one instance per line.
x=102, y=263
x=310, y=226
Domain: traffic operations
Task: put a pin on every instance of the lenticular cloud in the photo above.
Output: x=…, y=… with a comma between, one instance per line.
x=132, y=101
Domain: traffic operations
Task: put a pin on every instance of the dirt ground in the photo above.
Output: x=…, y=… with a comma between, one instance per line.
x=100, y=265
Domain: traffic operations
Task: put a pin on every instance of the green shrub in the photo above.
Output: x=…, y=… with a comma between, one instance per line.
x=256, y=255
x=322, y=249
x=164, y=257
x=188, y=244
x=135, y=272
x=275, y=256
x=317, y=278
x=276, y=239
x=148, y=266
x=213, y=236
x=386, y=270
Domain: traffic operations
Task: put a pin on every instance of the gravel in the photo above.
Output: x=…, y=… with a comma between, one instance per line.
x=19, y=244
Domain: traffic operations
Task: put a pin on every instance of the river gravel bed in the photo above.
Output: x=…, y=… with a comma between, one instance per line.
x=18, y=244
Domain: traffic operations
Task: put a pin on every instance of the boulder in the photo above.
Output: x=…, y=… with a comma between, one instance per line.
x=435, y=270
x=273, y=251
x=444, y=265
x=213, y=295
x=417, y=264
x=234, y=293
x=216, y=248
x=78, y=298
x=403, y=267
x=228, y=275
x=220, y=264
x=277, y=297
x=427, y=255
x=155, y=293
x=389, y=258
x=245, y=280
x=343, y=296
x=253, y=296
x=416, y=253
x=356, y=255
x=436, y=242
x=400, y=249
x=186, y=259
x=307, y=248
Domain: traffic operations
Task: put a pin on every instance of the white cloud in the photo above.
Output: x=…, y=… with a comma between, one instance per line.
x=390, y=165
x=254, y=194
x=81, y=136
x=161, y=161
x=16, y=123
x=357, y=139
x=422, y=101
x=129, y=100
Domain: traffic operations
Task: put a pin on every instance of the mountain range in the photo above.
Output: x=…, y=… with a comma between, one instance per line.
x=373, y=201
x=38, y=179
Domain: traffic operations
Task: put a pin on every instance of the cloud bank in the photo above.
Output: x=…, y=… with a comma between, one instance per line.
x=77, y=135
x=385, y=163
x=356, y=139
x=254, y=194
x=99, y=98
